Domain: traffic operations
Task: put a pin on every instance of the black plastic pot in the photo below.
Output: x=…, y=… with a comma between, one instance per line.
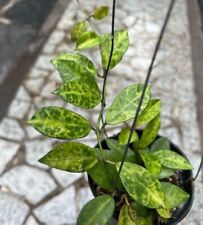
x=186, y=178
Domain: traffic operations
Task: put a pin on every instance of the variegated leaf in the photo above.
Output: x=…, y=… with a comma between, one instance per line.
x=87, y=40
x=100, y=13
x=84, y=94
x=71, y=156
x=173, y=160
x=60, y=123
x=152, y=110
x=125, y=104
x=124, y=136
x=124, y=217
x=164, y=213
x=97, y=211
x=174, y=195
x=160, y=143
x=150, y=133
x=141, y=185
x=151, y=162
x=73, y=66
x=78, y=29
x=121, y=43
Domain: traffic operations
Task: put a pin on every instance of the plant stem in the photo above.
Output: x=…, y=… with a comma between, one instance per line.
x=100, y=145
x=106, y=71
x=144, y=88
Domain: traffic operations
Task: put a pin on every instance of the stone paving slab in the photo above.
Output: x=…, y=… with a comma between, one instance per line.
x=55, y=197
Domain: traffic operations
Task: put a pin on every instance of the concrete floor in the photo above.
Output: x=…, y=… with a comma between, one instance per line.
x=32, y=194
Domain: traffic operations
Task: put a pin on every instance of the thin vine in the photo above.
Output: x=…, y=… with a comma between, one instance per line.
x=144, y=88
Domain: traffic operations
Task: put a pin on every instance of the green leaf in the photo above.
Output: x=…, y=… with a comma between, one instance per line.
x=141, y=185
x=152, y=110
x=164, y=213
x=150, y=133
x=84, y=94
x=118, y=150
x=173, y=160
x=71, y=156
x=121, y=43
x=104, y=175
x=97, y=212
x=140, y=210
x=124, y=135
x=73, y=66
x=151, y=162
x=78, y=29
x=58, y=122
x=174, y=196
x=87, y=40
x=160, y=143
x=125, y=217
x=165, y=173
x=100, y=13
x=125, y=104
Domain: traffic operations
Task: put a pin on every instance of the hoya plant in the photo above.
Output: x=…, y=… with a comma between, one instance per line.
x=135, y=173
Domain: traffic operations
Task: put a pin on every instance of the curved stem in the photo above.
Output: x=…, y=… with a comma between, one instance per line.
x=199, y=169
x=144, y=88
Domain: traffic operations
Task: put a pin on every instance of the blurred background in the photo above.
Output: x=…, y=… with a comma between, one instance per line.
x=32, y=32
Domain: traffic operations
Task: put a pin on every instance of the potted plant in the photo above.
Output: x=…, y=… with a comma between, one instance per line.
x=137, y=176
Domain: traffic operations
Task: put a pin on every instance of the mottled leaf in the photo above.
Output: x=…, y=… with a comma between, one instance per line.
x=160, y=143
x=151, y=163
x=73, y=66
x=174, y=195
x=71, y=156
x=152, y=110
x=164, y=213
x=97, y=211
x=87, y=40
x=78, y=29
x=141, y=185
x=104, y=175
x=124, y=136
x=150, y=133
x=60, y=123
x=100, y=13
x=173, y=160
x=165, y=172
x=121, y=43
x=124, y=216
x=84, y=94
x=130, y=216
x=125, y=104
